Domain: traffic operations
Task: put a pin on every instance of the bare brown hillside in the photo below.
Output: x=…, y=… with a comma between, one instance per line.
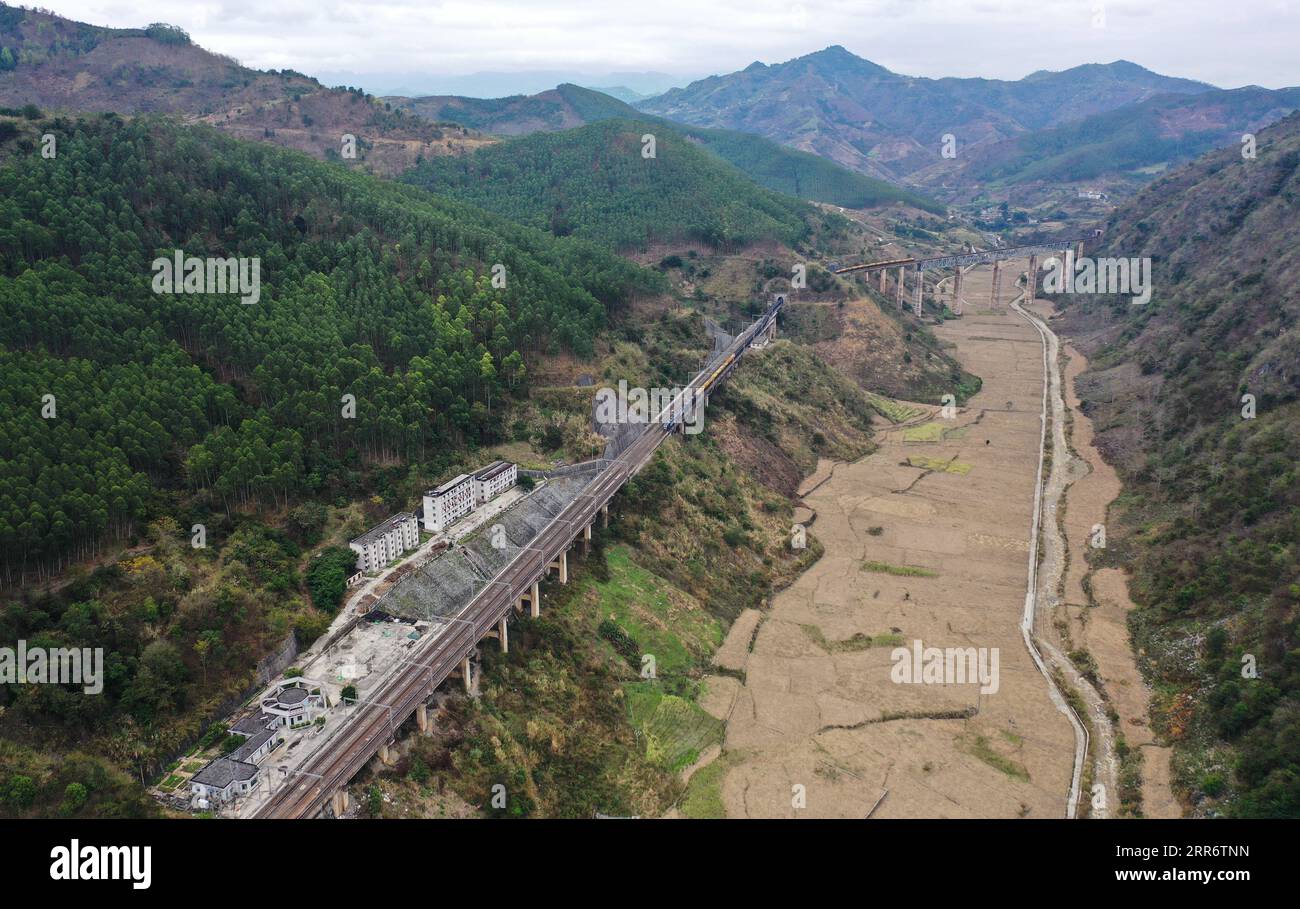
x=62, y=65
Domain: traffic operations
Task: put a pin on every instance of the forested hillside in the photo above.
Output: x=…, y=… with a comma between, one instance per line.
x=770, y=164
x=368, y=288
x=1163, y=131
x=595, y=182
x=1211, y=510
x=129, y=414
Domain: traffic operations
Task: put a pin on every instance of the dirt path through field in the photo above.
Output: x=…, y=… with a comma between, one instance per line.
x=1097, y=624
x=927, y=540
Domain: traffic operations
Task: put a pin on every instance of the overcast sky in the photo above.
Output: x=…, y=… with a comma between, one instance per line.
x=1225, y=42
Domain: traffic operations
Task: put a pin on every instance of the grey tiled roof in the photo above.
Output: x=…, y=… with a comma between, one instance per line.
x=223, y=771
x=250, y=746
x=449, y=485
x=292, y=696
x=252, y=724
x=494, y=469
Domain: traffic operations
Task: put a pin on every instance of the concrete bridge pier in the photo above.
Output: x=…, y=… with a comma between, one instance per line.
x=898, y=288
x=386, y=755
x=422, y=721
x=882, y=279
x=502, y=635
x=561, y=565
x=604, y=516
x=339, y=802
x=465, y=671
x=916, y=293
x=1031, y=279
x=956, y=292
x=997, y=281
x=534, y=602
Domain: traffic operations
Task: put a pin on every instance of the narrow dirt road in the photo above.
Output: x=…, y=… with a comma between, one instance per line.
x=1048, y=579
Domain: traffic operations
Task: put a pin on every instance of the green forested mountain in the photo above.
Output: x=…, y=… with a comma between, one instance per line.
x=1168, y=129
x=595, y=182
x=562, y=107
x=1211, y=509
x=367, y=288
x=770, y=164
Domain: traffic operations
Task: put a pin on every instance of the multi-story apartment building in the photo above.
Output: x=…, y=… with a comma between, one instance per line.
x=448, y=503
x=493, y=480
x=384, y=542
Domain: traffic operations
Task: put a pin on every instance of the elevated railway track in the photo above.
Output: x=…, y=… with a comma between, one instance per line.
x=374, y=724
x=960, y=263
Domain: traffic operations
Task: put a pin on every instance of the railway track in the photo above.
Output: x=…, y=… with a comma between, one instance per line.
x=435, y=657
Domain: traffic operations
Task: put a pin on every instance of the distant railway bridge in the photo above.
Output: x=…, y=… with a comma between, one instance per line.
x=960, y=263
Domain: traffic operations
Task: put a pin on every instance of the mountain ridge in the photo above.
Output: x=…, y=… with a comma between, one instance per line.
x=65, y=65
x=770, y=164
x=885, y=124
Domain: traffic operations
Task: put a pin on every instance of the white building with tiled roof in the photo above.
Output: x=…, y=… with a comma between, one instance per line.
x=237, y=774
x=294, y=702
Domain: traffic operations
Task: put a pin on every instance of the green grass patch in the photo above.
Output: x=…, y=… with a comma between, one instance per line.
x=675, y=731
x=703, y=799
x=891, y=410
x=904, y=571
x=981, y=749
x=850, y=645
x=658, y=619
x=939, y=464
x=926, y=432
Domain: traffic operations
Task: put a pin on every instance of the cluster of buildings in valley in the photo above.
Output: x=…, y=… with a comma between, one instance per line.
x=294, y=703
x=288, y=705
x=443, y=506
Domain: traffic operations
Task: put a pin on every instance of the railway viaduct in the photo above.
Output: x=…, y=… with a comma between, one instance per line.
x=960, y=264
x=321, y=782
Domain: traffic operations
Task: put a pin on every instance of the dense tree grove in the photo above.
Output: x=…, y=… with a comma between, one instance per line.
x=376, y=291
x=598, y=182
